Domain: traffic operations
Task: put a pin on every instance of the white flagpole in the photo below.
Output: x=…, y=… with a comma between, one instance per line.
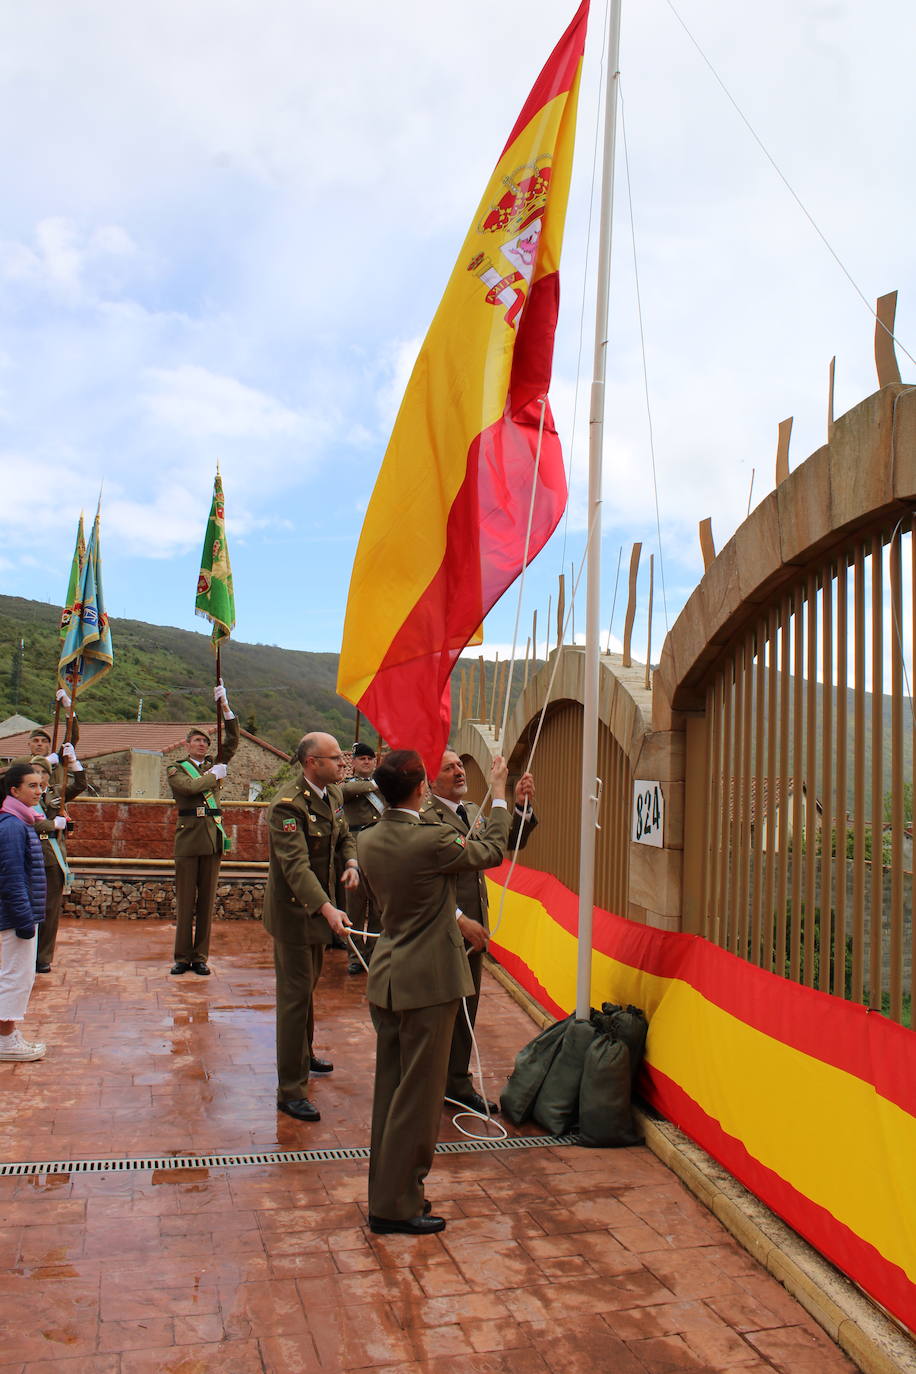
x=593, y=580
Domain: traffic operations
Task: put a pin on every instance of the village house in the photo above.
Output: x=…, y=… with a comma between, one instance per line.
x=130, y=758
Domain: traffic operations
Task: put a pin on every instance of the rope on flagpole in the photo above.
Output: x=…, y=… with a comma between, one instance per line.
x=521, y=580
x=537, y=734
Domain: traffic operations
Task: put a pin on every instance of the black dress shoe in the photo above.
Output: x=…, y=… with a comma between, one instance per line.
x=416, y=1226
x=180, y=966
x=318, y=1067
x=300, y=1108
x=200, y=968
x=42, y=968
x=476, y=1103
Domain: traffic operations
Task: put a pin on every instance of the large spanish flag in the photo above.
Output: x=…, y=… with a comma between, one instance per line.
x=445, y=532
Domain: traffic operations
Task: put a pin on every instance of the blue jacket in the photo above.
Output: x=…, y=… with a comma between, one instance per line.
x=22, y=876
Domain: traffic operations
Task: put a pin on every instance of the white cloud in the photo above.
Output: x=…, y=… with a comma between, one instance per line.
x=67, y=263
x=203, y=404
x=217, y=246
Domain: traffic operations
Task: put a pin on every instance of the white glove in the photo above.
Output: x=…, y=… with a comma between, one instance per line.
x=60, y=822
x=63, y=698
x=219, y=770
x=53, y=759
x=69, y=752
x=219, y=694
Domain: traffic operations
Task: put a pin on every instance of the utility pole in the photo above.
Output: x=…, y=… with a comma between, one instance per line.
x=16, y=674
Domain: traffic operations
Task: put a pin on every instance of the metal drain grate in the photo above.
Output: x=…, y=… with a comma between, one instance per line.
x=148, y=1164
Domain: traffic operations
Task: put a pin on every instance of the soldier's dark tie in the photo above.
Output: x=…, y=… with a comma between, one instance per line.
x=462, y=815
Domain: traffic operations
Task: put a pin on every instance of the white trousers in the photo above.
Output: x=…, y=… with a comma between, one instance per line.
x=17, y=974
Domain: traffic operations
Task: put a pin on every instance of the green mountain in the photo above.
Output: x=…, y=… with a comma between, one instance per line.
x=168, y=674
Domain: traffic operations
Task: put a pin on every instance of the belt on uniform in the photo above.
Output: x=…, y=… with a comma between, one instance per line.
x=355, y=829
x=200, y=811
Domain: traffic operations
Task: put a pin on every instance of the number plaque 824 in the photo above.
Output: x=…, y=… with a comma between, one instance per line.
x=648, y=813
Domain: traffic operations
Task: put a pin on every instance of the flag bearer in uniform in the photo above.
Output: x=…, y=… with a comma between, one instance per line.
x=52, y=832
x=200, y=838
x=311, y=850
x=363, y=804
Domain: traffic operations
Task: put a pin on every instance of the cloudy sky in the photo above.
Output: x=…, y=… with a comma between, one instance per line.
x=225, y=227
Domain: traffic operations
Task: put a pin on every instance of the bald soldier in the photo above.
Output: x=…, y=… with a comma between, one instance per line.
x=311, y=851
x=200, y=839
x=445, y=806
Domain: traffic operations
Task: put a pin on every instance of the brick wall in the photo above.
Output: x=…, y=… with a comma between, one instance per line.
x=134, y=829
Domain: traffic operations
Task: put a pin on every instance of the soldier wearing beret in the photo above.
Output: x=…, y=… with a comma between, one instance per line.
x=445, y=806
x=311, y=850
x=52, y=832
x=38, y=744
x=200, y=838
x=363, y=804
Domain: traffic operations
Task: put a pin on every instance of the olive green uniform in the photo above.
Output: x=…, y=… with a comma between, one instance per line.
x=473, y=902
x=416, y=980
x=309, y=846
x=361, y=813
x=198, y=848
x=54, y=875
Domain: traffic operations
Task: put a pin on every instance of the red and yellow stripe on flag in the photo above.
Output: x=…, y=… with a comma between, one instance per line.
x=444, y=535
x=809, y=1100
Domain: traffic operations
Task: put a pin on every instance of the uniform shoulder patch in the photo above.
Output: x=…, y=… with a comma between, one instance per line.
x=289, y=825
x=459, y=840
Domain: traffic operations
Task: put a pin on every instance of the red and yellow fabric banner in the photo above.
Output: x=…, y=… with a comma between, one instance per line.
x=809, y=1100
x=444, y=535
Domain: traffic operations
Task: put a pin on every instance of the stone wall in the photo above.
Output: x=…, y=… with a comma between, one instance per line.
x=141, y=899
x=109, y=775
x=135, y=829
x=250, y=763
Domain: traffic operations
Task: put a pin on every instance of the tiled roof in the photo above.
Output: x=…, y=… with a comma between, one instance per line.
x=120, y=736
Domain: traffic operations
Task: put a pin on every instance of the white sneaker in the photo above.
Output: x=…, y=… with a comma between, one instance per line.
x=14, y=1046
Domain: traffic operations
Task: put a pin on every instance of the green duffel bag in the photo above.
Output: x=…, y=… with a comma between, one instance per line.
x=531, y=1065
x=605, y=1117
x=628, y=1024
x=557, y=1105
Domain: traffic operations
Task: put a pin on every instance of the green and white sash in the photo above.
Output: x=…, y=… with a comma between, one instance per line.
x=56, y=850
x=210, y=801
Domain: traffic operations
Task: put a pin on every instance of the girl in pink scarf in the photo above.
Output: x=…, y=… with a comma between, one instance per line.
x=22, y=905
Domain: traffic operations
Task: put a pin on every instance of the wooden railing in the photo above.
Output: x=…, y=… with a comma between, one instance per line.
x=810, y=736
